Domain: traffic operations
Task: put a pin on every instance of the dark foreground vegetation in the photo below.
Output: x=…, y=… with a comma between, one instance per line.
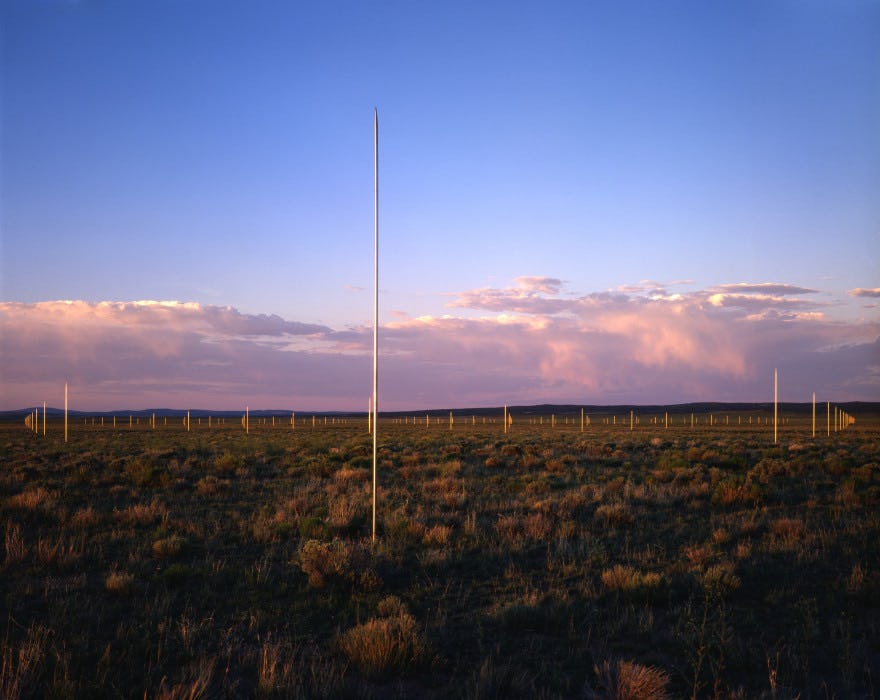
x=544, y=563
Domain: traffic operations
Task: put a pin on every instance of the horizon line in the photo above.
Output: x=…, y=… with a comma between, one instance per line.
x=445, y=410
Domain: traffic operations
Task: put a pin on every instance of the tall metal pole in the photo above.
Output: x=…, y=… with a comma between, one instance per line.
x=775, y=405
x=65, y=411
x=375, y=307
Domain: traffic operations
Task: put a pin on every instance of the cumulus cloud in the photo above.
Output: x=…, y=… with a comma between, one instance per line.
x=161, y=351
x=533, y=342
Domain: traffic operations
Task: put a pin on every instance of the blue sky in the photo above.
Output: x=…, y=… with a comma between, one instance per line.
x=220, y=153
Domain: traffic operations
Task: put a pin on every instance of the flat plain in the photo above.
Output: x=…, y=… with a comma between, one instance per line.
x=546, y=562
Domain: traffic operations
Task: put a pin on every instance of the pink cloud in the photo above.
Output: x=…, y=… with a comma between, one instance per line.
x=533, y=344
x=538, y=285
x=862, y=292
x=528, y=295
x=763, y=288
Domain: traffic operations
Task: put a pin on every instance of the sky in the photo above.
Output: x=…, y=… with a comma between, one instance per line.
x=594, y=202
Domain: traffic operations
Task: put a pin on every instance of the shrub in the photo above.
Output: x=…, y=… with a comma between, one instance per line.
x=494, y=462
x=611, y=514
x=85, y=517
x=788, y=532
x=616, y=488
x=508, y=529
x=720, y=581
x=119, y=582
x=210, y=485
x=146, y=473
x=554, y=465
x=447, y=490
x=313, y=527
x=537, y=527
x=347, y=513
x=382, y=646
x=352, y=475
x=437, y=536
x=337, y=563
x=141, y=514
x=627, y=680
x=736, y=491
x=168, y=547
x=699, y=554
x=228, y=463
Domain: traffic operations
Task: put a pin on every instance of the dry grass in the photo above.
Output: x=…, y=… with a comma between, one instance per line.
x=85, y=518
x=168, y=547
x=212, y=564
x=16, y=548
x=19, y=664
x=437, y=536
x=614, y=514
x=196, y=683
x=142, y=514
x=348, y=475
x=386, y=645
x=627, y=578
x=119, y=582
x=627, y=680
x=32, y=499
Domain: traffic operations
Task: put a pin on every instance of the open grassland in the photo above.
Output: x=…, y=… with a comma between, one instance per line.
x=547, y=562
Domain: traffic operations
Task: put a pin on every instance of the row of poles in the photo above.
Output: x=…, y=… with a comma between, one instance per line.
x=838, y=419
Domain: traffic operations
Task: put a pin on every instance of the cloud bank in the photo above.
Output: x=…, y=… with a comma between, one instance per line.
x=531, y=342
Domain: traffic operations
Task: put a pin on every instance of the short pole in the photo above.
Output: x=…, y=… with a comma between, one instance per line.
x=814, y=414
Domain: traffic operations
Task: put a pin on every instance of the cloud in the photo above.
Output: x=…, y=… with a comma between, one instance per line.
x=764, y=288
x=163, y=351
x=538, y=285
x=651, y=287
x=528, y=295
x=862, y=292
x=531, y=342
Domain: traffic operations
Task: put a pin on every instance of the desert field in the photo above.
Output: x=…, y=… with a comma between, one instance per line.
x=618, y=560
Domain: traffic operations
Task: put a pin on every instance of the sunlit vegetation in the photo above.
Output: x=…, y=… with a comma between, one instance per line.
x=547, y=562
